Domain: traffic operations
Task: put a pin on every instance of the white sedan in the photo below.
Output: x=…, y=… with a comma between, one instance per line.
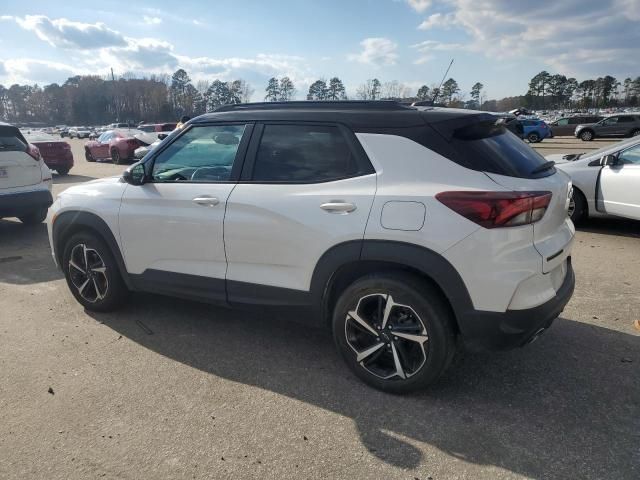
x=605, y=182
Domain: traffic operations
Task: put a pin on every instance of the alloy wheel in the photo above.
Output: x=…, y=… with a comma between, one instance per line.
x=88, y=273
x=572, y=205
x=388, y=338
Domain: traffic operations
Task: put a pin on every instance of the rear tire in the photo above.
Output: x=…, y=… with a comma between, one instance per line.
x=115, y=156
x=34, y=218
x=533, y=137
x=635, y=133
x=586, y=135
x=87, y=258
x=88, y=156
x=414, y=347
x=62, y=171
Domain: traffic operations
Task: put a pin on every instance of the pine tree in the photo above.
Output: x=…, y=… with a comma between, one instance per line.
x=273, y=90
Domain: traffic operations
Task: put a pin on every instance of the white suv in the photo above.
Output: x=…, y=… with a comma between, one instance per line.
x=404, y=229
x=25, y=180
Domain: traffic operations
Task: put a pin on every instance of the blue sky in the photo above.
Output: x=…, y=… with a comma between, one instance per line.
x=500, y=43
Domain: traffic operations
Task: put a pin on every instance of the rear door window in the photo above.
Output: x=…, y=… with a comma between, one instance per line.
x=627, y=119
x=303, y=154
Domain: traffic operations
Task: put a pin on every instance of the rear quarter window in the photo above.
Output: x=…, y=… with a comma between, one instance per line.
x=491, y=148
x=11, y=140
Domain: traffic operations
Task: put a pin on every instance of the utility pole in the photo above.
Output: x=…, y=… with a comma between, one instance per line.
x=115, y=101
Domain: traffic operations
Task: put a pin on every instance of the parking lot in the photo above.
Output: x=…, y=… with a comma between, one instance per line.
x=172, y=389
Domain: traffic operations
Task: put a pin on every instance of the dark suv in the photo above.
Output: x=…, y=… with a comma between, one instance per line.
x=614, y=126
x=566, y=126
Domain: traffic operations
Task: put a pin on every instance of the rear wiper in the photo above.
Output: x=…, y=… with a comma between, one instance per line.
x=543, y=167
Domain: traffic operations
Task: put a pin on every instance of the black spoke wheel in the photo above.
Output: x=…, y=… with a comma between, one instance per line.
x=92, y=273
x=115, y=156
x=394, y=331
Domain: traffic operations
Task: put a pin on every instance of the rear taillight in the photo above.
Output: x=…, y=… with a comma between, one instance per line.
x=66, y=146
x=33, y=152
x=498, y=209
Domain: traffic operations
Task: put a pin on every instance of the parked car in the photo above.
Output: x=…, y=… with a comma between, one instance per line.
x=118, y=125
x=399, y=240
x=606, y=182
x=56, y=153
x=25, y=180
x=117, y=145
x=613, y=126
x=148, y=141
x=566, y=126
x=535, y=130
x=512, y=124
x=157, y=127
x=64, y=132
x=79, y=132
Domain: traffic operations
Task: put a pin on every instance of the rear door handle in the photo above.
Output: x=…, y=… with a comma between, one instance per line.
x=341, y=208
x=206, y=201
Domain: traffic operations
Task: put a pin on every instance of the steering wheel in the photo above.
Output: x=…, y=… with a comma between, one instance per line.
x=210, y=173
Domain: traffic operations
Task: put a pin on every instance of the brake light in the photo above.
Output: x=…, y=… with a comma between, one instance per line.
x=66, y=146
x=498, y=209
x=33, y=152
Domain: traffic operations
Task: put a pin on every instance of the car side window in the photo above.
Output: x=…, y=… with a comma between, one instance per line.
x=630, y=156
x=610, y=121
x=563, y=121
x=202, y=154
x=105, y=137
x=625, y=120
x=303, y=154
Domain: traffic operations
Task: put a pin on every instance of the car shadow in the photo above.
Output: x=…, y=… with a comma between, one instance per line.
x=611, y=226
x=566, y=406
x=25, y=255
x=71, y=178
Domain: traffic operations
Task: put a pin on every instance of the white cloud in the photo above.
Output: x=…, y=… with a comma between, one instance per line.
x=63, y=33
x=30, y=71
x=197, y=22
x=147, y=20
x=438, y=20
x=419, y=6
x=575, y=37
x=376, y=51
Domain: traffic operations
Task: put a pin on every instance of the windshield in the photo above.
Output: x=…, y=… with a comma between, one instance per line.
x=612, y=148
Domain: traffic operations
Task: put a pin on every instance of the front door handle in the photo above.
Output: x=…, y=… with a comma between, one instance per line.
x=206, y=201
x=341, y=208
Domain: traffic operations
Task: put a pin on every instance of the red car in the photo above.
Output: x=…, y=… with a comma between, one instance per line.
x=117, y=145
x=157, y=127
x=56, y=153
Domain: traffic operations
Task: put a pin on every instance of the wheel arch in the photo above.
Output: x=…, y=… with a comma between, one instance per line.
x=69, y=223
x=346, y=262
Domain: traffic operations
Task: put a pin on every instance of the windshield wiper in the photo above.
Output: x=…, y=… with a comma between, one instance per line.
x=543, y=167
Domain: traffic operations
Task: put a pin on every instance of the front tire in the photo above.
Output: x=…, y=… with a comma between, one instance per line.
x=635, y=133
x=577, y=207
x=533, y=137
x=34, y=218
x=394, y=331
x=586, y=136
x=92, y=273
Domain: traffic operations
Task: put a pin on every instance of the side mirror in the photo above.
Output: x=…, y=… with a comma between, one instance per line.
x=162, y=136
x=609, y=160
x=134, y=175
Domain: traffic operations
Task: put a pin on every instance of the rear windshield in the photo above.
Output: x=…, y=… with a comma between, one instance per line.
x=11, y=140
x=489, y=147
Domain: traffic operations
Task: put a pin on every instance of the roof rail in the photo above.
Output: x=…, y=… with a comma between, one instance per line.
x=320, y=105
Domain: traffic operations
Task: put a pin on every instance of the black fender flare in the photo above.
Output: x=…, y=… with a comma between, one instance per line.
x=69, y=222
x=426, y=261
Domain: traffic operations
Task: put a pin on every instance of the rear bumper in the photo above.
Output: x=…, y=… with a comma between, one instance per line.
x=483, y=330
x=65, y=160
x=22, y=203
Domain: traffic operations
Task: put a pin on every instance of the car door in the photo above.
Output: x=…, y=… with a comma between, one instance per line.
x=609, y=126
x=304, y=189
x=619, y=185
x=101, y=147
x=562, y=127
x=171, y=227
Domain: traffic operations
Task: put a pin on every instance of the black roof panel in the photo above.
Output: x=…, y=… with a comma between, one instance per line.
x=355, y=114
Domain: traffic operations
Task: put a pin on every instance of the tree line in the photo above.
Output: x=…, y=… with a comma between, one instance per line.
x=95, y=100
